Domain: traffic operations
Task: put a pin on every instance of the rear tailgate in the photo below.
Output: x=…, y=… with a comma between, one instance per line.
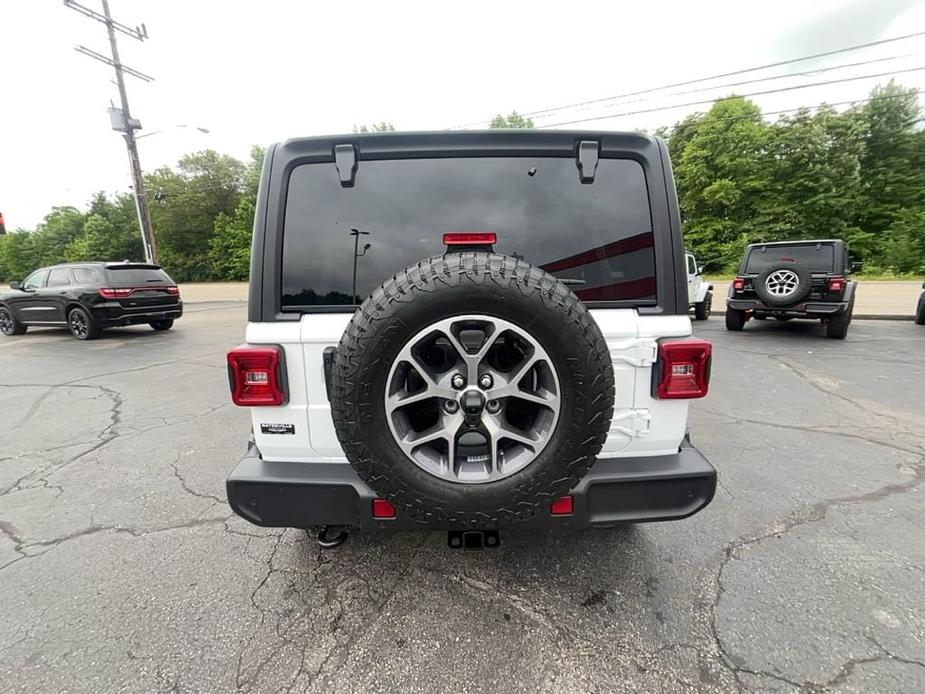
x=642, y=425
x=140, y=288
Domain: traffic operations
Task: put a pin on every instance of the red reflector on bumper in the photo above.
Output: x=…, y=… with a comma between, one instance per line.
x=563, y=506
x=383, y=509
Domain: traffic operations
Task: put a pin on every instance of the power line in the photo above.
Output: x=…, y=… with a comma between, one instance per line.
x=698, y=80
x=726, y=98
x=772, y=78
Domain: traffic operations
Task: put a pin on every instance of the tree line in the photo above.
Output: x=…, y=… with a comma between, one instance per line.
x=858, y=175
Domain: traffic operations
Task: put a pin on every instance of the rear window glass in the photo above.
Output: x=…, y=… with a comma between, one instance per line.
x=596, y=237
x=136, y=277
x=813, y=258
x=85, y=275
x=58, y=278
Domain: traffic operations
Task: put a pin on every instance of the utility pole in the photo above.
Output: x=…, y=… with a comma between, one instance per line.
x=122, y=120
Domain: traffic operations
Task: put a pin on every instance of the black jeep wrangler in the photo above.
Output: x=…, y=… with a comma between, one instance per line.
x=793, y=279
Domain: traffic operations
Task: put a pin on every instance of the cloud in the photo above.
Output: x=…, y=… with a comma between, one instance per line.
x=845, y=24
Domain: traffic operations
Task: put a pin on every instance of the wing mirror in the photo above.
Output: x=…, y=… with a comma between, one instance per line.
x=17, y=286
x=700, y=270
x=856, y=267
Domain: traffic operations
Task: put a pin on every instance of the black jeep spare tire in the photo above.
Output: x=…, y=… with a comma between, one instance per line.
x=783, y=285
x=472, y=390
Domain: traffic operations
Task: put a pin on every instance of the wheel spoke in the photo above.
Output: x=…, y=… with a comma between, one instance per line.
x=543, y=397
x=471, y=361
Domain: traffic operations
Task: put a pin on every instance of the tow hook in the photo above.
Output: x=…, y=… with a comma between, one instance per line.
x=472, y=539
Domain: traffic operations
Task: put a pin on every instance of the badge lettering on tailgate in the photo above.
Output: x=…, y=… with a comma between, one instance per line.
x=277, y=428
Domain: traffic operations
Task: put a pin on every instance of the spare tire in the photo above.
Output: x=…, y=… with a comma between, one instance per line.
x=783, y=285
x=472, y=390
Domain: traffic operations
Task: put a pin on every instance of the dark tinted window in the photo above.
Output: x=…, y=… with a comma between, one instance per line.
x=59, y=278
x=814, y=258
x=85, y=275
x=36, y=280
x=136, y=277
x=597, y=238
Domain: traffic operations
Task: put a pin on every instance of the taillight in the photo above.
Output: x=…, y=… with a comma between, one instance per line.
x=683, y=368
x=173, y=291
x=738, y=284
x=470, y=238
x=255, y=376
x=836, y=284
x=110, y=293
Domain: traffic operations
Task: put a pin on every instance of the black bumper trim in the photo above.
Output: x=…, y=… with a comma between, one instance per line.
x=616, y=490
x=810, y=308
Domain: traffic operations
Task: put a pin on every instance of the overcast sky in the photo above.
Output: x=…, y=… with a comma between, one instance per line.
x=257, y=72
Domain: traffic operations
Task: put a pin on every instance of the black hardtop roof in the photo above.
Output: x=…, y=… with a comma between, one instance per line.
x=801, y=242
x=521, y=136
x=108, y=264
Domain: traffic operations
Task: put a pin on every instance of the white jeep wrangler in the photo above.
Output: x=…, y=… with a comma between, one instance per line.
x=467, y=331
x=699, y=291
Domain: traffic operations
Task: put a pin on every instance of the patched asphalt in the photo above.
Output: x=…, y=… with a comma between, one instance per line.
x=123, y=569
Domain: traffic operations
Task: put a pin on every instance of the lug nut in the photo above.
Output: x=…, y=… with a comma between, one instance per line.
x=493, y=406
x=486, y=382
x=450, y=406
x=458, y=381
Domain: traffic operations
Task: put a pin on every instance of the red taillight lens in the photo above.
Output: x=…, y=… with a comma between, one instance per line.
x=110, y=293
x=173, y=291
x=738, y=284
x=254, y=374
x=470, y=238
x=836, y=284
x=383, y=510
x=683, y=368
x=563, y=506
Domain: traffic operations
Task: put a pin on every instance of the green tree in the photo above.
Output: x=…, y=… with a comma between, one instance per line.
x=187, y=203
x=59, y=228
x=890, y=179
x=815, y=176
x=17, y=255
x=513, y=120
x=904, y=242
x=381, y=127
x=229, y=247
x=722, y=174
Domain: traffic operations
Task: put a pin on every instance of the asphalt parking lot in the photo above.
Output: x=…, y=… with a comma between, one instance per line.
x=122, y=568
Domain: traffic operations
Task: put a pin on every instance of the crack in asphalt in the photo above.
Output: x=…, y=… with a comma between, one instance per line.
x=187, y=488
x=816, y=513
x=48, y=545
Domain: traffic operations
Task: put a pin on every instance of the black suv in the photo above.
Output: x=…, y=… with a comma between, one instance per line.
x=793, y=279
x=87, y=297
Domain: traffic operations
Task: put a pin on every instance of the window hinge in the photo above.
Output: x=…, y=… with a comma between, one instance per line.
x=588, y=154
x=345, y=159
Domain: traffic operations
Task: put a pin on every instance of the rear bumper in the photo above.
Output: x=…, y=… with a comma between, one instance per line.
x=304, y=495
x=805, y=310
x=112, y=314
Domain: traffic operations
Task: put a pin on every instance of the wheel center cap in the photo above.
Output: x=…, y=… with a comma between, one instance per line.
x=472, y=403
